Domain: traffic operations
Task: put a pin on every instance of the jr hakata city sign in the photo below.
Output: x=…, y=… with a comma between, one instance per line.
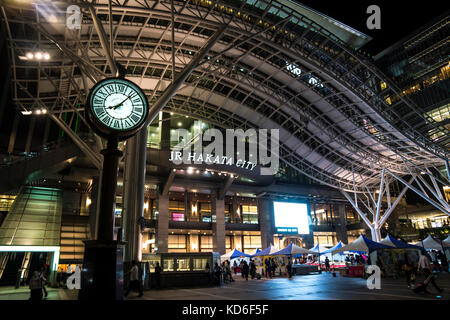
x=256, y=142
x=212, y=159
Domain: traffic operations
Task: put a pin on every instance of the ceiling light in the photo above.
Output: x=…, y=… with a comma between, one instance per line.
x=29, y=55
x=38, y=55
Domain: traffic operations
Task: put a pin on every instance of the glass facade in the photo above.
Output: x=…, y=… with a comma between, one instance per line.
x=34, y=218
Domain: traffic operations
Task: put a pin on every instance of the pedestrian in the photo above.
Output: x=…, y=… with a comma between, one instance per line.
x=241, y=265
x=267, y=271
x=158, y=275
x=252, y=269
x=36, y=286
x=408, y=269
x=134, y=283
x=424, y=265
x=444, y=261
x=289, y=269
x=43, y=272
x=327, y=264
x=217, y=274
x=228, y=269
x=245, y=270
x=274, y=266
x=235, y=267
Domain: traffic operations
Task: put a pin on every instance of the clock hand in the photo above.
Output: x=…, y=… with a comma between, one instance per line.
x=115, y=107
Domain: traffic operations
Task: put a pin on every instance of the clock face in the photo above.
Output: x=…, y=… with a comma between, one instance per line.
x=118, y=106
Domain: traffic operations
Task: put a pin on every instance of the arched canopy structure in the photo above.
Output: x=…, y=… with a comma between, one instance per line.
x=273, y=65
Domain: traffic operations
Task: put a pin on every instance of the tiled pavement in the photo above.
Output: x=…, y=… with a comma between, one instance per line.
x=307, y=287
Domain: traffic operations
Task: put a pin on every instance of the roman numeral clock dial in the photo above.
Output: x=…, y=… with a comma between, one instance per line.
x=117, y=107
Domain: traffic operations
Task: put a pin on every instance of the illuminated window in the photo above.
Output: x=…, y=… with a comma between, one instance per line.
x=206, y=244
x=447, y=192
x=252, y=242
x=177, y=243
x=249, y=214
x=439, y=114
x=199, y=264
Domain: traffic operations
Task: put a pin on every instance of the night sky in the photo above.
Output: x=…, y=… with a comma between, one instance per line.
x=399, y=18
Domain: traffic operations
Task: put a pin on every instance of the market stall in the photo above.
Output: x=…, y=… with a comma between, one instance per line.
x=260, y=256
x=336, y=260
x=391, y=260
x=362, y=244
x=287, y=253
x=446, y=244
x=429, y=243
x=235, y=256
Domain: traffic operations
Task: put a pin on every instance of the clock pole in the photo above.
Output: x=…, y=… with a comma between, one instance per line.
x=102, y=275
x=111, y=157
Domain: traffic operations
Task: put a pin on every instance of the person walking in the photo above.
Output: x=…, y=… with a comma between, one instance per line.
x=408, y=269
x=289, y=269
x=252, y=269
x=158, y=275
x=245, y=270
x=36, y=285
x=235, y=267
x=273, y=265
x=267, y=270
x=134, y=283
x=228, y=270
x=217, y=274
x=424, y=265
x=327, y=264
x=241, y=266
x=43, y=272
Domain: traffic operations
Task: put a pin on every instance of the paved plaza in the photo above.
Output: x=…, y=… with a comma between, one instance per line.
x=306, y=287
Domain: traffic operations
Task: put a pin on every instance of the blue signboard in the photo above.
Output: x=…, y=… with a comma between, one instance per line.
x=286, y=230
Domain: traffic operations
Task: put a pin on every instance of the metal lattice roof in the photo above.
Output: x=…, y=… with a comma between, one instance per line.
x=341, y=121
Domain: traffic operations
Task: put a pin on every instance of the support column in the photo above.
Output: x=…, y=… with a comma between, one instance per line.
x=133, y=195
x=30, y=134
x=162, y=233
x=341, y=229
x=235, y=216
x=94, y=207
x=376, y=234
x=218, y=227
x=265, y=216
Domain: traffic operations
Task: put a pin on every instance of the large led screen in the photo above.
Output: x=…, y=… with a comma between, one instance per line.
x=289, y=215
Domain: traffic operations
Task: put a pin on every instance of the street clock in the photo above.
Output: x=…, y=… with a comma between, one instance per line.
x=117, y=107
